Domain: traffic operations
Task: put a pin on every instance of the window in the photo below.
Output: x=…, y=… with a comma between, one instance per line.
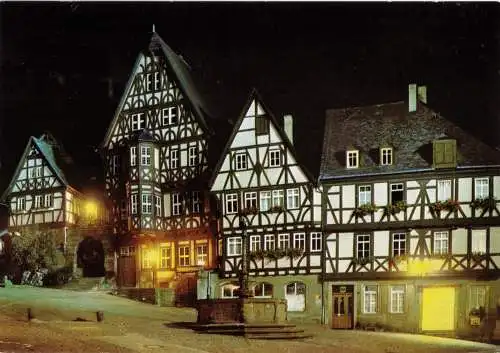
x=165, y=257
x=39, y=201
x=295, y=295
x=115, y=165
x=283, y=241
x=299, y=241
x=440, y=242
x=315, y=241
x=386, y=156
x=145, y=155
x=278, y=198
x=444, y=153
x=397, y=299
x=21, y=204
x=146, y=259
x=254, y=242
x=133, y=156
x=195, y=202
x=478, y=241
x=443, y=190
x=363, y=246
x=250, y=199
x=176, y=204
x=158, y=206
x=269, y=243
x=240, y=161
x=231, y=203
x=477, y=297
x=36, y=172
x=153, y=81
x=364, y=195
x=49, y=201
x=265, y=200
x=481, y=188
x=233, y=246
x=398, y=244
x=263, y=290
x=174, y=158
x=146, y=203
x=274, y=158
x=193, y=156
x=292, y=198
x=170, y=116
x=229, y=290
x=397, y=193
x=133, y=203
x=352, y=159
x=184, y=254
x=370, y=299
x=261, y=125
x=201, y=254
x=127, y=251
x=138, y=121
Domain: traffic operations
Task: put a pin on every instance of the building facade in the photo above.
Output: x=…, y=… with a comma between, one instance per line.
x=156, y=157
x=269, y=204
x=411, y=219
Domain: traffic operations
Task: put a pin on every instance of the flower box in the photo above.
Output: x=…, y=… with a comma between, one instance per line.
x=484, y=204
x=365, y=209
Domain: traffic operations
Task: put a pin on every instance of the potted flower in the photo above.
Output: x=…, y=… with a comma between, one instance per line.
x=249, y=210
x=364, y=209
x=486, y=204
x=396, y=208
x=274, y=254
x=276, y=208
x=257, y=254
x=478, y=256
x=437, y=207
x=294, y=253
x=362, y=260
x=451, y=205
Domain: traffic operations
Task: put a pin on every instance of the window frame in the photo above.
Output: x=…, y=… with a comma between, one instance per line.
x=269, y=242
x=315, y=241
x=365, y=239
x=370, y=306
x=39, y=201
x=283, y=241
x=436, y=240
x=478, y=195
x=386, y=156
x=439, y=190
x=165, y=258
x=268, y=198
x=133, y=156
x=364, y=192
x=255, y=244
x=397, y=296
x=146, y=156
x=240, y=161
x=158, y=212
x=48, y=200
x=174, y=158
x=479, y=239
x=299, y=240
x=399, y=241
x=195, y=202
x=394, y=187
x=294, y=196
x=261, y=125
x=250, y=199
x=278, y=195
x=231, y=203
x=352, y=156
x=184, y=259
x=146, y=203
x=134, y=203
x=21, y=203
x=232, y=244
x=176, y=204
x=170, y=115
x=274, y=158
x=192, y=156
x=201, y=256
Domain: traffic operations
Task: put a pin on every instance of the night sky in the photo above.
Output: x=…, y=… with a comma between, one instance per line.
x=58, y=60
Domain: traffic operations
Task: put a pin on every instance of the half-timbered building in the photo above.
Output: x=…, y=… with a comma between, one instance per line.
x=155, y=156
x=42, y=200
x=260, y=184
x=411, y=217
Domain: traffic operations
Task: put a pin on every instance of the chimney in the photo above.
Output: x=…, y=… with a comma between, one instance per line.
x=412, y=97
x=422, y=94
x=288, y=126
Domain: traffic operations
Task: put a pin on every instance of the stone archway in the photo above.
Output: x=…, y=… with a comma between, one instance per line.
x=90, y=257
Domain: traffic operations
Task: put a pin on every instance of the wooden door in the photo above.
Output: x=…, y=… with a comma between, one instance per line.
x=126, y=271
x=438, y=309
x=342, y=307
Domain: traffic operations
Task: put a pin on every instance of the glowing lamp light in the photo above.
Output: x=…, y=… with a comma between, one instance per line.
x=91, y=209
x=201, y=263
x=424, y=266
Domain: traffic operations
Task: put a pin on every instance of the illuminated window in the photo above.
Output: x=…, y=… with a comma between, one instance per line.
x=386, y=156
x=165, y=257
x=229, y=290
x=295, y=295
x=478, y=241
x=170, y=115
x=240, y=161
x=146, y=203
x=441, y=243
x=174, y=158
x=265, y=200
x=292, y=199
x=397, y=193
x=176, y=204
x=481, y=188
x=233, y=246
x=184, y=254
x=283, y=241
x=363, y=246
x=398, y=244
x=193, y=156
x=263, y=290
x=443, y=190
x=477, y=297
x=352, y=159
x=254, y=242
x=397, y=299
x=231, y=203
x=364, y=195
x=370, y=299
x=274, y=158
x=269, y=243
x=299, y=241
x=145, y=155
x=315, y=241
x=201, y=254
x=250, y=199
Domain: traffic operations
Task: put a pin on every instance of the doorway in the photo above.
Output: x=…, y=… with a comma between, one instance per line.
x=438, y=309
x=343, y=307
x=90, y=255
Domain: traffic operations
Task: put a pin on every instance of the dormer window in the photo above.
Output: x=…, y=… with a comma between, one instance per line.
x=386, y=156
x=352, y=159
x=445, y=153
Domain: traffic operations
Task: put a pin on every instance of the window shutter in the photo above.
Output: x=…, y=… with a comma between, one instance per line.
x=438, y=153
x=445, y=153
x=449, y=152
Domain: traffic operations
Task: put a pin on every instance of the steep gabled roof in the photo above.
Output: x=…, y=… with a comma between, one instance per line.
x=254, y=95
x=410, y=134
x=182, y=76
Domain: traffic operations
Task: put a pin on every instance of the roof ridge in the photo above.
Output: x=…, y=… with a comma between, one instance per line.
x=365, y=106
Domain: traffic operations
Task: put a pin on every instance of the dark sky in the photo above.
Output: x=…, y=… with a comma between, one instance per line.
x=57, y=59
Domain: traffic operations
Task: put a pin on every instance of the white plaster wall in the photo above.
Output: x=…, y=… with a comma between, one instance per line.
x=411, y=196
x=346, y=243
x=243, y=139
x=459, y=241
x=380, y=194
x=496, y=187
x=348, y=196
x=248, y=122
x=465, y=189
x=381, y=243
x=495, y=240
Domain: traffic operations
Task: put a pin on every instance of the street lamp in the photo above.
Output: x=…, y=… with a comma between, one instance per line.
x=243, y=274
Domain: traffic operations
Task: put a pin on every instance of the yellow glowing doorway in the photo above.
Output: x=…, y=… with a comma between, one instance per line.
x=438, y=309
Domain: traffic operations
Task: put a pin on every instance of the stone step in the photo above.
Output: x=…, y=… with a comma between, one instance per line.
x=238, y=326
x=279, y=336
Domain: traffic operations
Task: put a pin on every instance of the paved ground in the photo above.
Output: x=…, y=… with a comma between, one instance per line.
x=137, y=327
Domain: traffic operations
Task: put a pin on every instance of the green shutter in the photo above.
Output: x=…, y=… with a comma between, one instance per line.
x=444, y=154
